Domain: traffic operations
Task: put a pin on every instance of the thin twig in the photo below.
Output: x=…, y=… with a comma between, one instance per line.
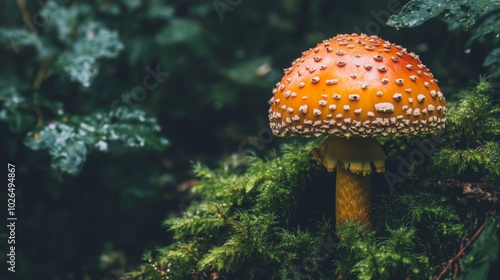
x=21, y=4
x=460, y=253
x=42, y=74
x=229, y=220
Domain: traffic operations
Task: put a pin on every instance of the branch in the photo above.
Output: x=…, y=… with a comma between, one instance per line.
x=21, y=4
x=460, y=253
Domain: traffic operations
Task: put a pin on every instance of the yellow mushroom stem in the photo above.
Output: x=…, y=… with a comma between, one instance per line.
x=353, y=159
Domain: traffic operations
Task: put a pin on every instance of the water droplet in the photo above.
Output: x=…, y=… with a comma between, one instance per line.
x=467, y=51
x=103, y=146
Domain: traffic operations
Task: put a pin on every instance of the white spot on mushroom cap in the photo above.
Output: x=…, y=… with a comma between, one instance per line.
x=332, y=107
x=322, y=103
x=331, y=82
x=336, y=96
x=420, y=98
x=397, y=96
x=384, y=107
x=353, y=97
x=316, y=112
x=382, y=68
x=303, y=109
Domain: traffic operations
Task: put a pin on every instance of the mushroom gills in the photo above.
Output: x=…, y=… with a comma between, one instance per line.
x=355, y=154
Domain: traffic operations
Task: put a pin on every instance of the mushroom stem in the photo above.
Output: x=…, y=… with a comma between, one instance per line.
x=353, y=159
x=352, y=197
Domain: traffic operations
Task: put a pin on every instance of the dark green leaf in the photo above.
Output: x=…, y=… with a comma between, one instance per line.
x=20, y=121
x=490, y=25
x=466, y=12
x=179, y=30
x=492, y=58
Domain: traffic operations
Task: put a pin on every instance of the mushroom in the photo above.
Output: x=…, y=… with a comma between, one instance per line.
x=362, y=87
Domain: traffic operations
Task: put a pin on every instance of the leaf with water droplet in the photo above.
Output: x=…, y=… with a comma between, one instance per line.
x=81, y=62
x=415, y=13
x=466, y=12
x=120, y=129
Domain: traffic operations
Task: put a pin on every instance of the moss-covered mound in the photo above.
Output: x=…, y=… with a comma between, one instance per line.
x=271, y=218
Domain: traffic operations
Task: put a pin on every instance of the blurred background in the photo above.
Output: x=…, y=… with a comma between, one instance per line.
x=105, y=105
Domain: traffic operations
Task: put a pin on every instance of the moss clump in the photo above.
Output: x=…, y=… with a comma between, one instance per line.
x=272, y=220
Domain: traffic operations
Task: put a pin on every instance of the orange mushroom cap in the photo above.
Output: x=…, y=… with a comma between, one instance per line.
x=357, y=85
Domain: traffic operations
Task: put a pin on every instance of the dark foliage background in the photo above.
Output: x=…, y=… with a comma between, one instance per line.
x=96, y=175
